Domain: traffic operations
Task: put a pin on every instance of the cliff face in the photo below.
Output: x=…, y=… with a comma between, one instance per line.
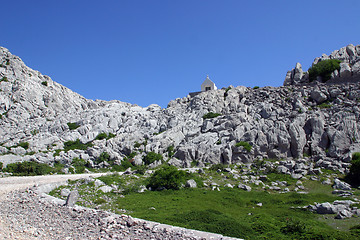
x=318, y=122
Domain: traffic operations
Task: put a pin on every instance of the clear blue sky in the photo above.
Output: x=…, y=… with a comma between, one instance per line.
x=145, y=52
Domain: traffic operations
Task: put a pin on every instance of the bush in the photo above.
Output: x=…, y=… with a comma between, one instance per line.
x=324, y=69
x=72, y=145
x=79, y=165
x=4, y=79
x=167, y=177
x=211, y=115
x=170, y=151
x=218, y=166
x=152, y=157
x=73, y=126
x=353, y=177
x=245, y=145
x=1, y=165
x=44, y=83
x=28, y=168
x=256, y=87
x=102, y=136
x=24, y=145
x=104, y=156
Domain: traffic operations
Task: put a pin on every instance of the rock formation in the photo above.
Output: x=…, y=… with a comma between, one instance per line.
x=349, y=67
x=316, y=123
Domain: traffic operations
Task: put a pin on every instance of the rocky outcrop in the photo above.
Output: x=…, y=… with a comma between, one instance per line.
x=349, y=67
x=311, y=123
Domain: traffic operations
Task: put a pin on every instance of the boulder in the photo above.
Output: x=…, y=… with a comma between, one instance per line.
x=72, y=198
x=191, y=183
x=341, y=185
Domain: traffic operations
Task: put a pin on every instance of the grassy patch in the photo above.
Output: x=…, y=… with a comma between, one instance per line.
x=29, y=169
x=211, y=115
x=245, y=145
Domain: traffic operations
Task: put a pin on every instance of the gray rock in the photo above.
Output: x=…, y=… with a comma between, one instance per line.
x=65, y=192
x=244, y=187
x=106, y=189
x=345, y=70
x=341, y=185
x=191, y=183
x=72, y=198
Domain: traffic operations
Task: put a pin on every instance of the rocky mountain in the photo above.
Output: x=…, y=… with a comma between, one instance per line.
x=315, y=124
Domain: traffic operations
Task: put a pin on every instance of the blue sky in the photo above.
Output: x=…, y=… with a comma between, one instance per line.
x=153, y=51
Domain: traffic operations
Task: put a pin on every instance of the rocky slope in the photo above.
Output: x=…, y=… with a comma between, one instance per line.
x=316, y=123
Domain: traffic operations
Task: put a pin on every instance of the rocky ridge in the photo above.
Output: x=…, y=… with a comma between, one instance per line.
x=313, y=124
x=349, y=67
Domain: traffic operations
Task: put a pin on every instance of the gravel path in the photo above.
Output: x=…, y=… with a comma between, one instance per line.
x=27, y=214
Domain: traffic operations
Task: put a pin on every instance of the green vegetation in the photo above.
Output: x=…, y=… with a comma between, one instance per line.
x=324, y=105
x=29, y=169
x=1, y=165
x=353, y=177
x=73, y=126
x=72, y=145
x=79, y=165
x=226, y=92
x=256, y=87
x=45, y=83
x=4, y=79
x=324, y=69
x=211, y=115
x=102, y=136
x=167, y=177
x=245, y=145
x=104, y=156
x=151, y=157
x=170, y=151
x=24, y=145
x=34, y=132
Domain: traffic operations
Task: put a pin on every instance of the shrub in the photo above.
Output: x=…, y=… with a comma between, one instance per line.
x=104, y=156
x=170, y=151
x=28, y=168
x=73, y=126
x=102, y=136
x=1, y=165
x=167, y=177
x=24, y=145
x=44, y=83
x=324, y=69
x=353, y=177
x=245, y=145
x=218, y=166
x=293, y=226
x=72, y=145
x=152, y=157
x=79, y=165
x=211, y=115
x=4, y=79
x=256, y=87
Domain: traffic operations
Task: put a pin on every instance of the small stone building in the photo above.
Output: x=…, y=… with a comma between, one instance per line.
x=208, y=85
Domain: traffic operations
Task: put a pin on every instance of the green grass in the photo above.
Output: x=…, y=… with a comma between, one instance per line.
x=231, y=212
